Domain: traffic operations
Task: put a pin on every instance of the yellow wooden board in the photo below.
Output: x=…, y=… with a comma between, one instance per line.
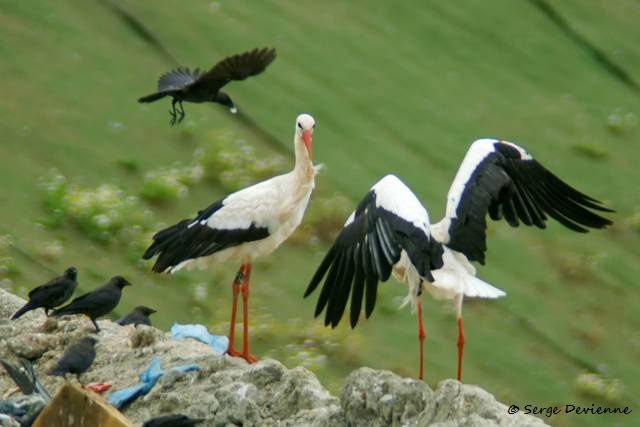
x=73, y=406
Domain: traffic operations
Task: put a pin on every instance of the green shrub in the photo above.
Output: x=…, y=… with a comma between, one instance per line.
x=103, y=213
x=54, y=189
x=164, y=185
x=595, y=385
x=234, y=164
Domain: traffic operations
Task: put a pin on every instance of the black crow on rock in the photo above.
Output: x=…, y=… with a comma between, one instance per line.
x=175, y=420
x=76, y=359
x=51, y=294
x=96, y=303
x=137, y=316
x=183, y=84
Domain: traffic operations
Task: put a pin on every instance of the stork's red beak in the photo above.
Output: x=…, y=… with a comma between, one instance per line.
x=306, y=136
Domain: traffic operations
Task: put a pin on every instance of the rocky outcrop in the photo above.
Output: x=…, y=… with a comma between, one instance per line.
x=228, y=391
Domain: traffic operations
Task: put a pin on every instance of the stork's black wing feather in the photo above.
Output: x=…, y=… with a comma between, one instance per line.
x=194, y=238
x=366, y=250
x=236, y=67
x=502, y=180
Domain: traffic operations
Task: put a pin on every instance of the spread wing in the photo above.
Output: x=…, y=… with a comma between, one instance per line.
x=501, y=179
x=236, y=67
x=177, y=79
x=388, y=220
x=172, y=82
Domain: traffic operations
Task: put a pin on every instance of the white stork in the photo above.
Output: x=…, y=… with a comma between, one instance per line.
x=241, y=227
x=390, y=232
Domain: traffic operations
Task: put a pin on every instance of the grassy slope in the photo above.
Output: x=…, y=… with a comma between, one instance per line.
x=402, y=88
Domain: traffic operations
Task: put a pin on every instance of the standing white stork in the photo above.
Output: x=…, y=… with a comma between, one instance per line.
x=390, y=231
x=241, y=227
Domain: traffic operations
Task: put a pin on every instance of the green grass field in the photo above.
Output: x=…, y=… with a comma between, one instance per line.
x=400, y=87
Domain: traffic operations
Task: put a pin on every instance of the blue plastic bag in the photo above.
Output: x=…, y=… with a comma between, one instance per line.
x=148, y=378
x=218, y=342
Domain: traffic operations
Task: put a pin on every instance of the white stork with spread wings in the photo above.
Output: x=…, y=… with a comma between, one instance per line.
x=390, y=232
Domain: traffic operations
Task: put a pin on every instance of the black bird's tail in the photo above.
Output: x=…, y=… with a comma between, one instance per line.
x=27, y=307
x=153, y=97
x=57, y=372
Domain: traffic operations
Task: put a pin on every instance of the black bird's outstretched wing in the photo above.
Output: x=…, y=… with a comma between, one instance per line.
x=388, y=220
x=172, y=82
x=501, y=179
x=235, y=67
x=177, y=79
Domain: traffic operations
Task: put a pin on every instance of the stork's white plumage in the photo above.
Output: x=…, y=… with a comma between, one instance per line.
x=243, y=226
x=390, y=232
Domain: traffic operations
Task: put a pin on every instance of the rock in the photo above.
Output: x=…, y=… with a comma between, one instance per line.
x=7, y=421
x=381, y=398
x=228, y=391
x=20, y=407
x=32, y=346
x=456, y=404
x=142, y=335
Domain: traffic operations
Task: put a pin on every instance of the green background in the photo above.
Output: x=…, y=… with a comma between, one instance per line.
x=401, y=87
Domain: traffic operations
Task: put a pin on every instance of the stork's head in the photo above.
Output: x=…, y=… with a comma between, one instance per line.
x=304, y=130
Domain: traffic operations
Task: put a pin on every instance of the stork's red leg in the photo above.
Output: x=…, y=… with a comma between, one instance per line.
x=421, y=336
x=236, y=287
x=460, y=347
x=245, y=316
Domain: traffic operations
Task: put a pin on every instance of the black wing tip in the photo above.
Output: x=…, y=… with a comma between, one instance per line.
x=150, y=252
x=354, y=321
x=309, y=290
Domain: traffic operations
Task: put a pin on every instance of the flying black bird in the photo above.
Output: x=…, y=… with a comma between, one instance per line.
x=175, y=420
x=51, y=294
x=137, y=316
x=96, y=303
x=76, y=359
x=194, y=86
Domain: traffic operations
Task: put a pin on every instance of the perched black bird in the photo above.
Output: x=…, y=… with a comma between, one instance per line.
x=193, y=86
x=96, y=303
x=175, y=420
x=137, y=316
x=76, y=359
x=51, y=294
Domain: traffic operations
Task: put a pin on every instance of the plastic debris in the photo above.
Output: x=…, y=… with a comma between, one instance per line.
x=219, y=343
x=148, y=378
x=98, y=388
